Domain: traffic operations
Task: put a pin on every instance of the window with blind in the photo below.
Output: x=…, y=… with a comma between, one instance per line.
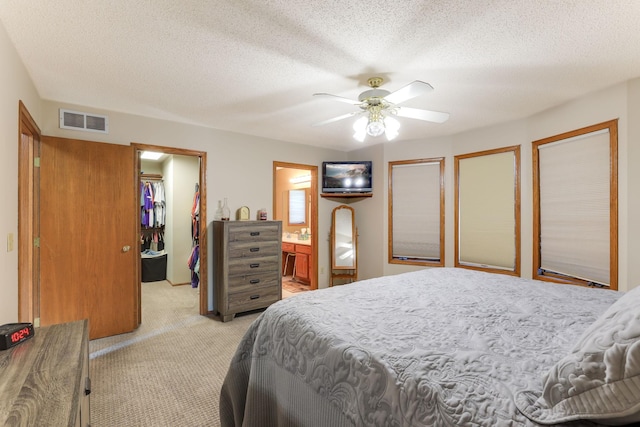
x=298, y=207
x=575, y=206
x=416, y=212
x=487, y=210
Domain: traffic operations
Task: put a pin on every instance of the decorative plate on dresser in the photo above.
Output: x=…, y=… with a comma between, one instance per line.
x=247, y=263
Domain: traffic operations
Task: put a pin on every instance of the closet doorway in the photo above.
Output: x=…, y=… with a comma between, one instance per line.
x=300, y=236
x=173, y=236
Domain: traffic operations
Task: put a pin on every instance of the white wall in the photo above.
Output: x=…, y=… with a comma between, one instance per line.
x=15, y=85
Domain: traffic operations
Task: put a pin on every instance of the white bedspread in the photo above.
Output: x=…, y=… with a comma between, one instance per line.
x=438, y=347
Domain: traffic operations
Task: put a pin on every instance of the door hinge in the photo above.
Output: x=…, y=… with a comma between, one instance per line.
x=36, y=162
x=36, y=242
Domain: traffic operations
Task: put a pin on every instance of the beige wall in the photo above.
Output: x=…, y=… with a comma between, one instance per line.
x=621, y=101
x=180, y=173
x=370, y=214
x=150, y=167
x=630, y=192
x=238, y=164
x=15, y=85
x=239, y=167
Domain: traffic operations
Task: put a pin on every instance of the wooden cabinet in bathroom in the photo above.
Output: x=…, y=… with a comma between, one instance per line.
x=303, y=260
x=303, y=263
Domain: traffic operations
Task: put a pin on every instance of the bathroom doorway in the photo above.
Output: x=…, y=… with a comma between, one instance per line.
x=295, y=203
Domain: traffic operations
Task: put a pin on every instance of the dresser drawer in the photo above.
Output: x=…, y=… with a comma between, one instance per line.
x=254, y=281
x=240, y=249
x=253, y=299
x=254, y=232
x=243, y=266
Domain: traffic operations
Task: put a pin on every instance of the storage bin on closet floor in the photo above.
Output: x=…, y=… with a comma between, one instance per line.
x=154, y=267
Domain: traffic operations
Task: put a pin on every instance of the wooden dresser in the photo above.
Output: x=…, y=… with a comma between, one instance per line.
x=44, y=381
x=247, y=260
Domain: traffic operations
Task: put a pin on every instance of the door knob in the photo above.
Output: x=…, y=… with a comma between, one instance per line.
x=126, y=248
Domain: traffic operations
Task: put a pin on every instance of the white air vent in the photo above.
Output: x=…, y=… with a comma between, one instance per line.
x=83, y=121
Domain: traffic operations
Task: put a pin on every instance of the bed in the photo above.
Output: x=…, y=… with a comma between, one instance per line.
x=439, y=347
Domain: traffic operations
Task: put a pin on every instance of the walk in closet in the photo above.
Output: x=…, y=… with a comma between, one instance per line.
x=170, y=219
x=153, y=213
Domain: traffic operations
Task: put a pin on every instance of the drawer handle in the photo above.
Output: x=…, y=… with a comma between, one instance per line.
x=254, y=281
x=254, y=249
x=255, y=233
x=87, y=386
x=254, y=296
x=255, y=265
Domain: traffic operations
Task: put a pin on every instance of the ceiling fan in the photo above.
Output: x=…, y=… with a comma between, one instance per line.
x=379, y=107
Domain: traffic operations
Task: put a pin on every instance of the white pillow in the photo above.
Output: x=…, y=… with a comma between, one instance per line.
x=600, y=379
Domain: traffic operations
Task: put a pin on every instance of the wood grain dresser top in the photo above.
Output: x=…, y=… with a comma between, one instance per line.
x=41, y=378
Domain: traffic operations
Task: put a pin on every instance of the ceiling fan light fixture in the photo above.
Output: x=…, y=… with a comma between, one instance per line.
x=378, y=105
x=360, y=129
x=375, y=128
x=359, y=136
x=392, y=127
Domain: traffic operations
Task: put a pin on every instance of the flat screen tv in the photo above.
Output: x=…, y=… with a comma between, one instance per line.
x=347, y=177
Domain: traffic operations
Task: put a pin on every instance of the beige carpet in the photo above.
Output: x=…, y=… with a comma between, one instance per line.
x=169, y=371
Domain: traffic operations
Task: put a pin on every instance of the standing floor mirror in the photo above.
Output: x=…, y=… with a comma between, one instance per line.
x=344, y=246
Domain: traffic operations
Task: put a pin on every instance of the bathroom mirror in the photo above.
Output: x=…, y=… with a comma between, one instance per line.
x=344, y=248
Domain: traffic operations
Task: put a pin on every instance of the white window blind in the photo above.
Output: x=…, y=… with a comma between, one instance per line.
x=487, y=210
x=416, y=211
x=297, y=207
x=575, y=206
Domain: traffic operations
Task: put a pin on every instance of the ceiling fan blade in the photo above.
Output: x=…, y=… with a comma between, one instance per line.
x=413, y=89
x=337, y=98
x=335, y=119
x=427, y=115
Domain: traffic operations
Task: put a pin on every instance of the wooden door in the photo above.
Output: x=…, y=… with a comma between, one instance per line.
x=28, y=225
x=88, y=249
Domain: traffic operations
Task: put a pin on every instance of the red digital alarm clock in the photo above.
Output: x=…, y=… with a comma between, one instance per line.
x=12, y=334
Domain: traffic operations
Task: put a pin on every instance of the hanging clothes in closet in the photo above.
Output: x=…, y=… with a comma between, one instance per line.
x=194, y=258
x=153, y=211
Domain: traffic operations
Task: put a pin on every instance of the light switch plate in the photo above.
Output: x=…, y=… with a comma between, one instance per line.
x=10, y=242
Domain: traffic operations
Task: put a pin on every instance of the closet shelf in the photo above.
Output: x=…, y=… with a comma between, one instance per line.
x=151, y=176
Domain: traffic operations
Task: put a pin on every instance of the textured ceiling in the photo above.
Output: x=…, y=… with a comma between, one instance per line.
x=252, y=66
